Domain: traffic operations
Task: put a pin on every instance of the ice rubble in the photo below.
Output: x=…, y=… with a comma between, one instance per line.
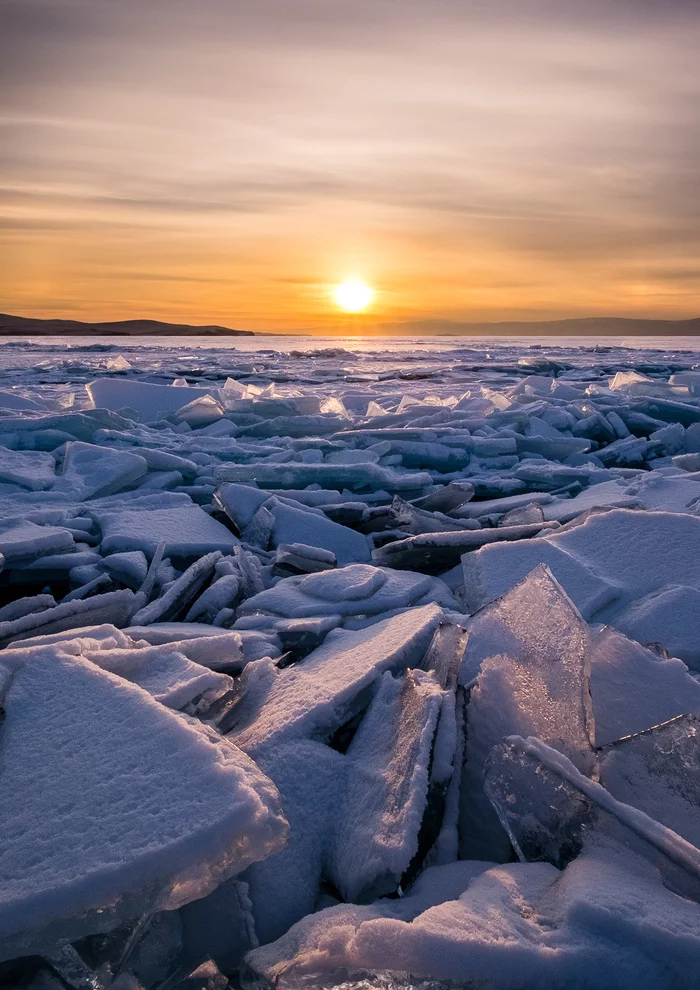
x=443, y=623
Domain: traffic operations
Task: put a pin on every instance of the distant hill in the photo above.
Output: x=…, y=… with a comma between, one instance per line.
x=589, y=326
x=27, y=326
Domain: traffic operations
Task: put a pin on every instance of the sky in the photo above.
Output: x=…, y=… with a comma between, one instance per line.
x=230, y=161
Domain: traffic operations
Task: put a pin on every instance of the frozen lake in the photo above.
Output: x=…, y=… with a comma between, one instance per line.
x=350, y=663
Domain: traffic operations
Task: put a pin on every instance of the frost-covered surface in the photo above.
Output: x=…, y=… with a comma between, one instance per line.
x=303, y=642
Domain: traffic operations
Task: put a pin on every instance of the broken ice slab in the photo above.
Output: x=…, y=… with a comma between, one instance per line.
x=662, y=688
x=532, y=646
x=91, y=471
x=432, y=553
x=168, y=674
x=499, y=506
x=128, y=568
x=149, y=401
x=495, y=569
x=32, y=469
x=239, y=503
x=526, y=514
x=115, y=607
x=665, y=761
x=631, y=554
x=446, y=774
x=669, y=616
x=357, y=589
x=613, y=494
x=310, y=777
x=316, y=696
x=312, y=527
x=543, y=814
x=186, y=531
x=134, y=808
x=386, y=792
x=23, y=542
x=658, y=771
x=447, y=498
x=73, y=970
x=405, y=517
x=219, y=927
x=299, y=558
x=339, y=476
x=26, y=606
x=202, y=411
x=224, y=592
x=445, y=653
x=180, y=594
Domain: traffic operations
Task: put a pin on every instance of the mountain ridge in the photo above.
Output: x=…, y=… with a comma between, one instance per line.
x=14, y=325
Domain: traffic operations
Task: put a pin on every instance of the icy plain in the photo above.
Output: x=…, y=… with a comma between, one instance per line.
x=350, y=664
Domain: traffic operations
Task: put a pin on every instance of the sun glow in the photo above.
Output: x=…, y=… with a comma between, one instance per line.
x=353, y=296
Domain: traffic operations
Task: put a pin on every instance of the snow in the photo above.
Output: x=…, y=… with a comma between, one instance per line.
x=524, y=927
x=416, y=581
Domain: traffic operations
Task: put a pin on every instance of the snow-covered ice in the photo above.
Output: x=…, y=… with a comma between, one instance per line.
x=303, y=644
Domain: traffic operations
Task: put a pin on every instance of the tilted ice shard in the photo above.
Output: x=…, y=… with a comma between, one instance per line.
x=534, y=778
x=387, y=788
x=132, y=807
x=542, y=813
x=436, y=552
x=90, y=471
x=534, y=679
x=115, y=608
x=658, y=771
x=316, y=696
x=180, y=594
x=310, y=777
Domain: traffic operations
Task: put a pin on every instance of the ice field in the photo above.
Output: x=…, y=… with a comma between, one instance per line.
x=335, y=663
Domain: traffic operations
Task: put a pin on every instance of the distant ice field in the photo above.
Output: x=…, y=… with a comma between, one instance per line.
x=416, y=364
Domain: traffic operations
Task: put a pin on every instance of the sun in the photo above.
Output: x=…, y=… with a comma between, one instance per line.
x=353, y=296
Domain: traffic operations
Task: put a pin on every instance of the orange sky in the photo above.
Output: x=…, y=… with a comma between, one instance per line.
x=229, y=162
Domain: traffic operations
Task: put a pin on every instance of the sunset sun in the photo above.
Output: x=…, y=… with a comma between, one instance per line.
x=353, y=296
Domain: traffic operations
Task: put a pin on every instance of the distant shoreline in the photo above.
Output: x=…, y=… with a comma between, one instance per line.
x=22, y=326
